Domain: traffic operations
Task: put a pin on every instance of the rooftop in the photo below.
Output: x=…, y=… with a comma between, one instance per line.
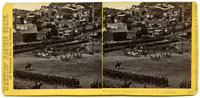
x=117, y=27
x=26, y=28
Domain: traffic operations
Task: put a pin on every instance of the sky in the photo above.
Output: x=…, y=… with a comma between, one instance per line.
x=29, y=6
x=36, y=6
x=120, y=5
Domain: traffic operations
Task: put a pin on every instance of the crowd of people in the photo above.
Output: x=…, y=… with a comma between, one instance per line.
x=185, y=84
x=75, y=51
x=155, y=53
x=137, y=78
x=47, y=79
x=46, y=52
x=97, y=84
x=16, y=86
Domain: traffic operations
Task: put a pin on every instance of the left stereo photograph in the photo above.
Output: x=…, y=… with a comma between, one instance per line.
x=57, y=45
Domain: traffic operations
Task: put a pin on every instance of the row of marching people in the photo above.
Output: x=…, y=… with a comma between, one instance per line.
x=47, y=79
x=158, y=56
x=71, y=56
x=137, y=78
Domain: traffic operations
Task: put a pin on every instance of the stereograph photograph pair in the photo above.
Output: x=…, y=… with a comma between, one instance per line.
x=100, y=48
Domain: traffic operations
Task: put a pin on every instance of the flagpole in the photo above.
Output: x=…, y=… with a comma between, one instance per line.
x=93, y=28
x=182, y=24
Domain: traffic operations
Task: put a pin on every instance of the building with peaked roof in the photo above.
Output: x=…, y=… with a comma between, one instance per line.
x=115, y=32
x=25, y=33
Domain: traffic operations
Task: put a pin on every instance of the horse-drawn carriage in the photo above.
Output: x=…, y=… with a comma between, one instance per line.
x=132, y=53
x=42, y=55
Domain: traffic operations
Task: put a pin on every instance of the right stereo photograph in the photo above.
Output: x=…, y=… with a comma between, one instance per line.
x=147, y=44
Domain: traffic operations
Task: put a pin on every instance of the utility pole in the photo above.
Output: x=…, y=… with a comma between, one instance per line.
x=93, y=29
x=183, y=13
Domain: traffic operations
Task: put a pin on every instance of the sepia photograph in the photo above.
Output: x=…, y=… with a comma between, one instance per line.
x=100, y=48
x=147, y=44
x=57, y=45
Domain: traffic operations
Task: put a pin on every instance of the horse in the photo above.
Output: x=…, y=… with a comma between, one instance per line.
x=118, y=65
x=28, y=67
